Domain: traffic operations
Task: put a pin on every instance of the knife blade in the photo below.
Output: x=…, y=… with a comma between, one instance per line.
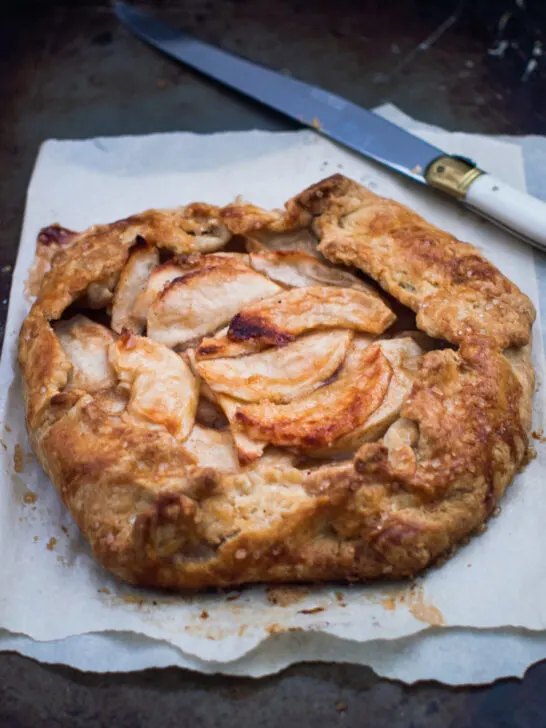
x=352, y=126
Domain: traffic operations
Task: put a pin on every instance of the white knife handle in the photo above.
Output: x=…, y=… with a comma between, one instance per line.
x=520, y=213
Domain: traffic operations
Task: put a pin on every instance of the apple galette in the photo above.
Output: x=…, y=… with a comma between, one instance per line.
x=337, y=390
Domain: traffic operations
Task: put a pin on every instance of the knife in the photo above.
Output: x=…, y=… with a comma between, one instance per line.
x=350, y=125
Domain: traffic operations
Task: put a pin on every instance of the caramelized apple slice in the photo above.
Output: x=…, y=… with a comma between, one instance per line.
x=247, y=449
x=296, y=269
x=163, y=389
x=204, y=299
x=86, y=345
x=158, y=279
x=279, y=319
x=279, y=375
x=133, y=279
x=218, y=346
x=404, y=356
x=330, y=411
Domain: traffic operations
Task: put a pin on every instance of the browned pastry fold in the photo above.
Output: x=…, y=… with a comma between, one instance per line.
x=454, y=290
x=199, y=444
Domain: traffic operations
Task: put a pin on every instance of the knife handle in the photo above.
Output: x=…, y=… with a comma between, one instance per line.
x=521, y=214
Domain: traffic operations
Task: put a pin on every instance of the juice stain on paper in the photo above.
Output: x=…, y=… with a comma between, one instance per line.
x=413, y=598
x=18, y=459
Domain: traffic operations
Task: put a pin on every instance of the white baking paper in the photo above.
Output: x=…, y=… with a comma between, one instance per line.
x=52, y=590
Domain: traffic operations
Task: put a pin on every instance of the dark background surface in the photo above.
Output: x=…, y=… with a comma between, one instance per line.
x=68, y=70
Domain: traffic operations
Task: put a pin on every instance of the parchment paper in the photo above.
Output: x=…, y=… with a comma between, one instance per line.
x=53, y=591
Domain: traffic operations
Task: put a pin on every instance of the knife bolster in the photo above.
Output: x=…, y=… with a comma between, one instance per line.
x=453, y=175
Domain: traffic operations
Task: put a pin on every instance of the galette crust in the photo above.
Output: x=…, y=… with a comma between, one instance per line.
x=166, y=504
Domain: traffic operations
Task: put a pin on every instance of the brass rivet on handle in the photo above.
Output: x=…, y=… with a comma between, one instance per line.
x=452, y=175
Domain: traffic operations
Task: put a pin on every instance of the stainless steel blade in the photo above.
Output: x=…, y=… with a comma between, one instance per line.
x=331, y=115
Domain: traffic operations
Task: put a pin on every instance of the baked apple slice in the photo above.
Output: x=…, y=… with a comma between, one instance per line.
x=281, y=318
x=327, y=413
x=162, y=387
x=204, y=300
x=86, y=344
x=132, y=281
x=279, y=375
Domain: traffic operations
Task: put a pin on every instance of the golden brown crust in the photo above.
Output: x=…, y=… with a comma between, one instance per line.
x=163, y=504
x=454, y=290
x=101, y=251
